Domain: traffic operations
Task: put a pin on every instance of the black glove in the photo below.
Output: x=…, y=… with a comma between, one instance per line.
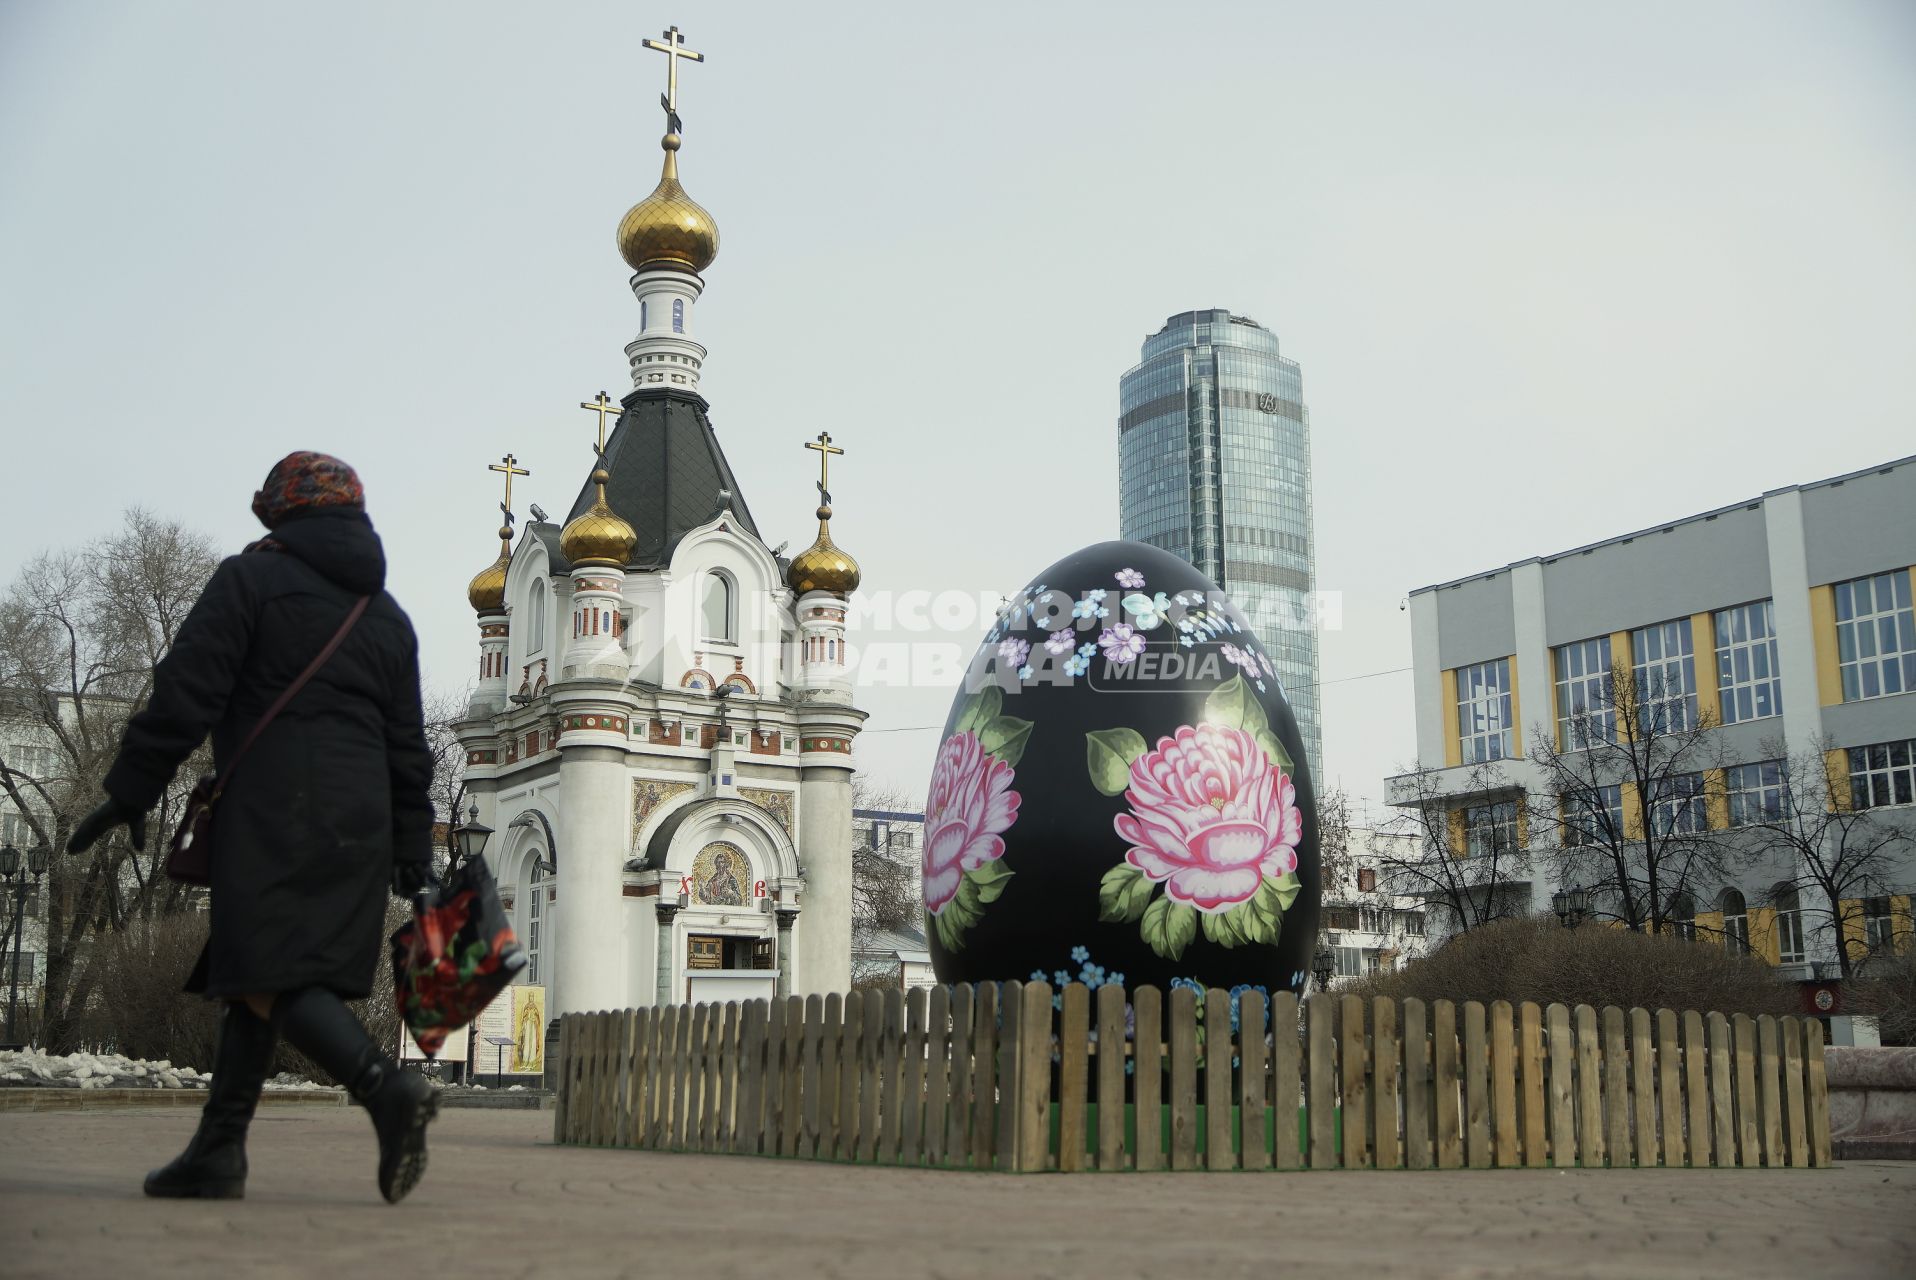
x=410, y=877
x=110, y=814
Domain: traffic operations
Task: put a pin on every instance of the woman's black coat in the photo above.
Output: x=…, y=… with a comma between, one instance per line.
x=307, y=831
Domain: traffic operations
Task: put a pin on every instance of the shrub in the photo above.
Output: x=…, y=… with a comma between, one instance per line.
x=1885, y=989
x=1539, y=960
x=139, y=1010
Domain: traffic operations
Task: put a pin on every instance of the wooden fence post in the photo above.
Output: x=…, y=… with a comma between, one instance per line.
x=1590, y=1136
x=1669, y=1089
x=831, y=1040
x=1183, y=1041
x=1147, y=1080
x=1795, y=1136
x=1616, y=1089
x=957, y=1148
x=1287, y=1086
x=1476, y=1087
x=1034, y=1079
x=1769, y=1091
x=1417, y=1090
x=911, y=1129
x=1562, y=1087
x=1749, y=1145
x=1722, y=1099
x=1074, y=1044
x=1818, y=1101
x=811, y=1055
x=937, y=1073
x=1503, y=1087
x=1696, y=1088
x=851, y=1061
x=1009, y=1064
x=1530, y=1058
x=1643, y=1092
x=1320, y=1011
x=1217, y=1079
x=1253, y=1082
x=986, y=1081
x=1354, y=1057
x=1443, y=1040
x=1111, y=1060
x=1385, y=1070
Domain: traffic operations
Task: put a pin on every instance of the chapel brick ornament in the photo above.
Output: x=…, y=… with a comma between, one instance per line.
x=1120, y=793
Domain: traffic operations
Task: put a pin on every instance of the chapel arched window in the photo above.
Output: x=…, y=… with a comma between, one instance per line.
x=718, y=608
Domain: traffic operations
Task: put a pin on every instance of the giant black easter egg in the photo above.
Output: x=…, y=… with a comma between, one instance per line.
x=1120, y=793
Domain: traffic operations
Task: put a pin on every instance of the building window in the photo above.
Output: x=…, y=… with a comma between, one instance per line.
x=1350, y=961
x=1882, y=774
x=1736, y=922
x=1585, y=710
x=1483, y=711
x=1879, y=925
x=1490, y=830
x=641, y=315
x=1789, y=925
x=1366, y=880
x=536, y=610
x=1340, y=917
x=1664, y=671
x=1373, y=962
x=1676, y=805
x=1875, y=636
x=1594, y=817
x=678, y=315
x=718, y=613
x=535, y=915
x=1682, y=917
x=1746, y=672
x=1373, y=919
x=1754, y=793
x=24, y=975
x=1414, y=923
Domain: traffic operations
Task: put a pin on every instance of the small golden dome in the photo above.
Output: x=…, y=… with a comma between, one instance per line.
x=823, y=566
x=668, y=228
x=598, y=535
x=487, y=590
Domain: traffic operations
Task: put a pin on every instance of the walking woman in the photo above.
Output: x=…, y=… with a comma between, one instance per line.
x=326, y=812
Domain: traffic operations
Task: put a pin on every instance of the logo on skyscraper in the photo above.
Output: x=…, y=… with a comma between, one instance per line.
x=1267, y=402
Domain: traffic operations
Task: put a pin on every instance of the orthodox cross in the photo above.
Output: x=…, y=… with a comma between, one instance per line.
x=508, y=465
x=673, y=48
x=601, y=406
x=825, y=449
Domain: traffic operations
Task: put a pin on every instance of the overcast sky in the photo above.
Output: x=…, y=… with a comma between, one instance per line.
x=1553, y=272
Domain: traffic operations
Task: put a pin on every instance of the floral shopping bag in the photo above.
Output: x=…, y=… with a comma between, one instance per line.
x=455, y=954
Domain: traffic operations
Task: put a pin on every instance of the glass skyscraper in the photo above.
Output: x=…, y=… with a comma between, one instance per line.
x=1215, y=466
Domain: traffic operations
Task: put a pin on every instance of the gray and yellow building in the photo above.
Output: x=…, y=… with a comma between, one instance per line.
x=1784, y=624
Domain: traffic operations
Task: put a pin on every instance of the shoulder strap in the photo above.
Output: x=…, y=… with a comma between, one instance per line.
x=292, y=690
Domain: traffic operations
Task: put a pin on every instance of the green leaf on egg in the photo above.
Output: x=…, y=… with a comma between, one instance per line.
x=981, y=708
x=1108, y=755
x=1232, y=705
x=1169, y=927
x=988, y=881
x=1123, y=893
x=1274, y=749
x=1005, y=737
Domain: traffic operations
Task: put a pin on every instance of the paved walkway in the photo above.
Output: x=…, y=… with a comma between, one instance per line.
x=500, y=1200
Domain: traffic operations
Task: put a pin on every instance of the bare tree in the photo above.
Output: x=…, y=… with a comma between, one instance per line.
x=80, y=632
x=1842, y=855
x=1336, y=859
x=1624, y=794
x=885, y=892
x=443, y=713
x=1469, y=852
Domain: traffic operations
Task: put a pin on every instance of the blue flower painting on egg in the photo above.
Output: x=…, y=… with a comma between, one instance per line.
x=1122, y=781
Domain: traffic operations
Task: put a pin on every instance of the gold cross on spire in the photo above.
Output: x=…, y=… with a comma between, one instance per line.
x=601, y=406
x=825, y=449
x=673, y=48
x=510, y=467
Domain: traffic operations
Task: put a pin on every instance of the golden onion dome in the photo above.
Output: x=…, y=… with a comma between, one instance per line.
x=598, y=535
x=668, y=228
x=487, y=590
x=823, y=566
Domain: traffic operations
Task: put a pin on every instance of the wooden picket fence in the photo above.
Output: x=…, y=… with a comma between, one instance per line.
x=1002, y=1077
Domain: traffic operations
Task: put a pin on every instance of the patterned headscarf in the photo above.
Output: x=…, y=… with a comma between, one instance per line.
x=307, y=481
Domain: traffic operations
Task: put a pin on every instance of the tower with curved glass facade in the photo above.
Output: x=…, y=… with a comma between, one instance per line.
x=1215, y=465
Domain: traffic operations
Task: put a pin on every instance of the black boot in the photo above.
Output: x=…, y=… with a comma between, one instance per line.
x=401, y=1105
x=213, y=1167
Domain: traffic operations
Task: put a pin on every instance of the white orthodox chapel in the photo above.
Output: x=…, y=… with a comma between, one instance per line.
x=661, y=733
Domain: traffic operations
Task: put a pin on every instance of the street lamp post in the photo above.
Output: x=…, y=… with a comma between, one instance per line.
x=1572, y=906
x=472, y=835
x=37, y=861
x=1324, y=967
